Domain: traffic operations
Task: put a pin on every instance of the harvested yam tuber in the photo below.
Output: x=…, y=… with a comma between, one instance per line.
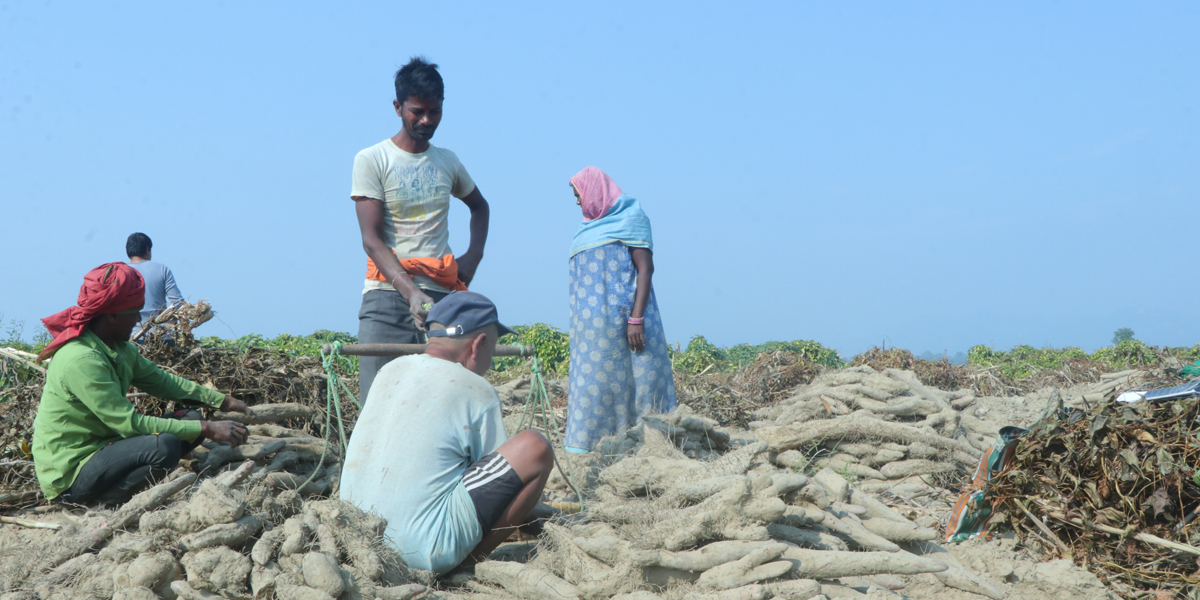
x=898, y=532
x=806, y=538
x=758, y=565
x=145, y=501
x=264, y=549
x=268, y=413
x=824, y=564
x=217, y=569
x=908, y=468
x=188, y=592
x=524, y=581
x=701, y=559
x=300, y=592
x=225, y=534
x=857, y=426
x=221, y=455
x=400, y=592
x=321, y=572
x=749, y=592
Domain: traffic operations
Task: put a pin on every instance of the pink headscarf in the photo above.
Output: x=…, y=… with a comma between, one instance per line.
x=597, y=192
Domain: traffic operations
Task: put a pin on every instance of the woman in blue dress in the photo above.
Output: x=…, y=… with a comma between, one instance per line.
x=620, y=369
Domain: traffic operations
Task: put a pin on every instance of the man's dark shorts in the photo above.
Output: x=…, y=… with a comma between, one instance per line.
x=493, y=485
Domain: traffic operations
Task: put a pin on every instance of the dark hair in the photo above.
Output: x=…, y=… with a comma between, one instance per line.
x=138, y=245
x=419, y=78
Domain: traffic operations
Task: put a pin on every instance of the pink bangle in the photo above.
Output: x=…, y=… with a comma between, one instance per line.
x=636, y=320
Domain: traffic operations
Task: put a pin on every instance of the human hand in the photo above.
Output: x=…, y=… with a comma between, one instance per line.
x=419, y=304
x=468, y=263
x=637, y=337
x=225, y=431
x=232, y=404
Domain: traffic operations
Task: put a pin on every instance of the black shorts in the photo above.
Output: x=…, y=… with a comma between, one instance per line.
x=493, y=485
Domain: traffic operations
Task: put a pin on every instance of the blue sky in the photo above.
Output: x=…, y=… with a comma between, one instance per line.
x=929, y=175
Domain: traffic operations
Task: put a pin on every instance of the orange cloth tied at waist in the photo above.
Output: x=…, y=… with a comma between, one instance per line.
x=443, y=271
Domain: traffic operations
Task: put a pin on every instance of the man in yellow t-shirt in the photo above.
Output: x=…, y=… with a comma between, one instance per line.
x=401, y=188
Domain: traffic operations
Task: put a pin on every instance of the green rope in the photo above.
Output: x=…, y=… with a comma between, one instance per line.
x=539, y=402
x=334, y=388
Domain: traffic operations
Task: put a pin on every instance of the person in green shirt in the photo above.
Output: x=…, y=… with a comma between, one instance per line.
x=89, y=443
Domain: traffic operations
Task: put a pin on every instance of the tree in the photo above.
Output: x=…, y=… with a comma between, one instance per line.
x=1121, y=335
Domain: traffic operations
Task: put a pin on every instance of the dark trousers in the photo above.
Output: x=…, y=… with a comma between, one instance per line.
x=384, y=319
x=123, y=468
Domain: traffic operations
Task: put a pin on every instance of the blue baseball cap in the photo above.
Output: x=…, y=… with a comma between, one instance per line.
x=463, y=312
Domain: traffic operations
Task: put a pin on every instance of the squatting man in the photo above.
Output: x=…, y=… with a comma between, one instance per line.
x=430, y=453
x=89, y=443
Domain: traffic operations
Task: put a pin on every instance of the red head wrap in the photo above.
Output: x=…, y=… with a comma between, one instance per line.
x=107, y=289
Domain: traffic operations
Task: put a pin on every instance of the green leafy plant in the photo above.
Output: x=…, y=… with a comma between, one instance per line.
x=1121, y=335
x=551, y=345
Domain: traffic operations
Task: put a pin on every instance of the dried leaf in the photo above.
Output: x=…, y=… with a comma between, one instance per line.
x=1144, y=436
x=1158, y=501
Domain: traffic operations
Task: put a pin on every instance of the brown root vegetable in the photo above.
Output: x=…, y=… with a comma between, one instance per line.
x=134, y=593
x=145, y=501
x=701, y=559
x=277, y=431
x=216, y=569
x=262, y=579
x=798, y=589
x=874, y=508
x=894, y=531
x=268, y=413
x=149, y=571
x=223, y=454
x=400, y=592
x=749, y=592
x=758, y=565
x=524, y=581
x=300, y=592
x=806, y=538
x=265, y=548
x=321, y=572
x=188, y=592
x=824, y=564
x=296, y=534
x=908, y=468
x=834, y=483
x=856, y=427
x=225, y=534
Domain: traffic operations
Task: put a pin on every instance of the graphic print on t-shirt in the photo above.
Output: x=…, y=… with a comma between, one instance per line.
x=421, y=191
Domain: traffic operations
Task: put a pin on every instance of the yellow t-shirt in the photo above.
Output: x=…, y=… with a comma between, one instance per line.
x=415, y=190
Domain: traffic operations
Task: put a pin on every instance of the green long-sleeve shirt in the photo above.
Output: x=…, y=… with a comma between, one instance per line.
x=84, y=407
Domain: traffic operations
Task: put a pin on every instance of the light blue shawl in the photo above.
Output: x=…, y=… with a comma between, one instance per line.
x=625, y=222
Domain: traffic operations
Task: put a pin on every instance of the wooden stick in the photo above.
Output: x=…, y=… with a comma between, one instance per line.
x=1142, y=537
x=405, y=349
x=1044, y=528
x=145, y=501
x=30, y=524
x=18, y=497
x=16, y=355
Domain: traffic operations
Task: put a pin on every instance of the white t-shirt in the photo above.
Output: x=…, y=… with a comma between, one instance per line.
x=425, y=421
x=415, y=190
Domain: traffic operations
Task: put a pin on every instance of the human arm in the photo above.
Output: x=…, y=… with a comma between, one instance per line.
x=92, y=381
x=174, y=296
x=643, y=261
x=149, y=378
x=370, y=224
x=469, y=261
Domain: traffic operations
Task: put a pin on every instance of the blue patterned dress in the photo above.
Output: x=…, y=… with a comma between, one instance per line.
x=611, y=386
